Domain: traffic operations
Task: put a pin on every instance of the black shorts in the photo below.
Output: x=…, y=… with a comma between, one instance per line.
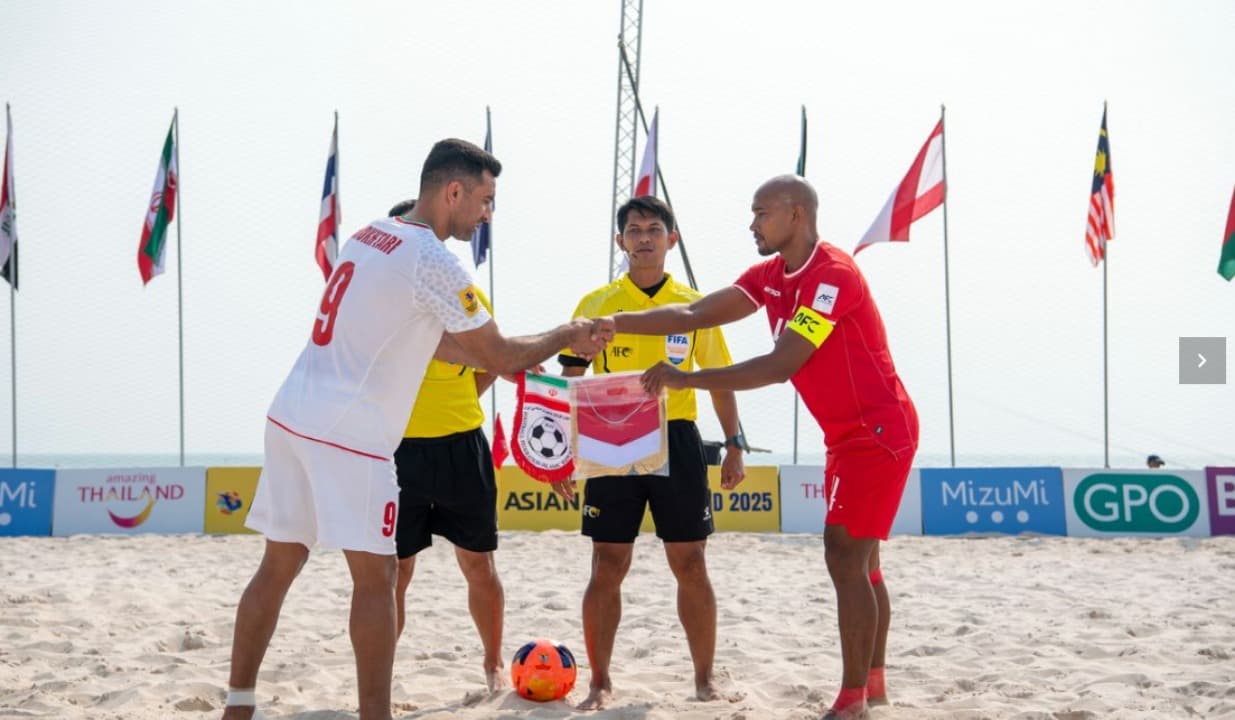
x=446, y=487
x=681, y=504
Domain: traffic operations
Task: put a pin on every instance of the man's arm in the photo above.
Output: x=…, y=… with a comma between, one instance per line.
x=791, y=353
x=733, y=467
x=485, y=347
x=719, y=308
x=483, y=381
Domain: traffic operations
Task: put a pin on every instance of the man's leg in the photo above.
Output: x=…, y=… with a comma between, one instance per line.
x=857, y=611
x=407, y=567
x=258, y=614
x=876, y=689
x=487, y=601
x=602, y=611
x=372, y=626
x=696, y=610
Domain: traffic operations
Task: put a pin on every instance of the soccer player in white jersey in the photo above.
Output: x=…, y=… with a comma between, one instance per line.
x=396, y=295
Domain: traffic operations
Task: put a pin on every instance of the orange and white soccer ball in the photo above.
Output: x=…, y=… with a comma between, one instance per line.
x=543, y=670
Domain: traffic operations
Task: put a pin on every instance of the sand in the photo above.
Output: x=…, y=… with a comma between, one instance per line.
x=1063, y=628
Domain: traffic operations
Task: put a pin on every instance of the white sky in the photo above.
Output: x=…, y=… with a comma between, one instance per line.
x=93, y=86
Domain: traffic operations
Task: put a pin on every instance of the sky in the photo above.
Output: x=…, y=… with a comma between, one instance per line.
x=93, y=86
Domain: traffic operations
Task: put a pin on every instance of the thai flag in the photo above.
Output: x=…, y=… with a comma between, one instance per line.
x=328, y=227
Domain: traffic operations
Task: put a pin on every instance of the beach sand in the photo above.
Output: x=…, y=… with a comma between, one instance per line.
x=1060, y=628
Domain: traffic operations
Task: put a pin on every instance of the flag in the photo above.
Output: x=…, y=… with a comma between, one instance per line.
x=327, y=248
x=646, y=183
x=8, y=209
x=160, y=211
x=1226, y=264
x=921, y=191
x=501, y=450
x=1101, y=227
x=542, y=428
x=481, y=237
x=801, y=169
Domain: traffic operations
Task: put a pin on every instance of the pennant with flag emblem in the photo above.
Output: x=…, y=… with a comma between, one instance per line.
x=8, y=209
x=921, y=191
x=541, y=445
x=1226, y=264
x=646, y=183
x=327, y=247
x=160, y=211
x=1100, y=228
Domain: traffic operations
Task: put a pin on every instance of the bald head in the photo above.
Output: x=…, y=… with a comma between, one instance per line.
x=790, y=190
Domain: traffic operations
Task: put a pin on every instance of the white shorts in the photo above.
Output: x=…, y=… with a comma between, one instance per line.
x=319, y=495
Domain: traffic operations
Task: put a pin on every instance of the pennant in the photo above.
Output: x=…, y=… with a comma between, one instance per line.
x=542, y=428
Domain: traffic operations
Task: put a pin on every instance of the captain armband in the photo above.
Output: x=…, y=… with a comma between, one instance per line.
x=811, y=325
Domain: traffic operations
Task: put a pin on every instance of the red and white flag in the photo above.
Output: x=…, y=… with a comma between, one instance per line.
x=921, y=191
x=327, y=248
x=646, y=184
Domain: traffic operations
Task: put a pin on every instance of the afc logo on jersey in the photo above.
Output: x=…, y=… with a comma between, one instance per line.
x=825, y=298
x=677, y=348
x=470, y=300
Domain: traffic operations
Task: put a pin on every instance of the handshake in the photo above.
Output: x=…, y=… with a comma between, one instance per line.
x=590, y=337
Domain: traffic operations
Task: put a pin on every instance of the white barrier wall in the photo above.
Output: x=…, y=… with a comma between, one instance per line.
x=803, y=507
x=129, y=501
x=1110, y=503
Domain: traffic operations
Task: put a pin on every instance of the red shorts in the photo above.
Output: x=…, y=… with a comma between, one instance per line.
x=863, y=488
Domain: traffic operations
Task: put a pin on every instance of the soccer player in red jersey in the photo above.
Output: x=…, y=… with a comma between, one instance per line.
x=830, y=341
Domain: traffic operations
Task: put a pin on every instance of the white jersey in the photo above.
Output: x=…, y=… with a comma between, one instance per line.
x=394, y=289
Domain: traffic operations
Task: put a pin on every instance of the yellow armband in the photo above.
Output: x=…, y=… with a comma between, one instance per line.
x=811, y=325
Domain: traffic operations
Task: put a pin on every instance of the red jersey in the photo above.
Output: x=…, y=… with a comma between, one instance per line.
x=849, y=383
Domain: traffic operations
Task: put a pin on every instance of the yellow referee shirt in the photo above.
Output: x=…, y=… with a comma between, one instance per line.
x=702, y=348
x=447, y=402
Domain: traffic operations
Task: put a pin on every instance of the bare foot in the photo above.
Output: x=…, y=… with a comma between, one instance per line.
x=709, y=692
x=597, y=699
x=495, y=680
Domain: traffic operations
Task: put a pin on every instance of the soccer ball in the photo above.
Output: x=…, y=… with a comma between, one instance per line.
x=543, y=670
x=548, y=440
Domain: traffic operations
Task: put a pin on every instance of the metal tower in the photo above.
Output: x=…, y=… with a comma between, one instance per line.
x=630, y=41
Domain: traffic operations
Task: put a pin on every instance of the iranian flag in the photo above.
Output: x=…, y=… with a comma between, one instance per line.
x=541, y=446
x=921, y=191
x=1226, y=264
x=160, y=211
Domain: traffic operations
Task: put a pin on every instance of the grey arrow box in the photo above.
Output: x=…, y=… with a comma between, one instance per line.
x=1192, y=371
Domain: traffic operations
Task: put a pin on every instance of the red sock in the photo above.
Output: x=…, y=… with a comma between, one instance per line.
x=847, y=697
x=875, y=686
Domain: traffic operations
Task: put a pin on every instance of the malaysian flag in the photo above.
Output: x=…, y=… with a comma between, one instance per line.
x=328, y=227
x=1101, y=227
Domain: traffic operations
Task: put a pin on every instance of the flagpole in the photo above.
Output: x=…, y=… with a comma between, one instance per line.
x=179, y=276
x=12, y=284
x=796, y=396
x=1106, y=386
x=489, y=250
x=947, y=286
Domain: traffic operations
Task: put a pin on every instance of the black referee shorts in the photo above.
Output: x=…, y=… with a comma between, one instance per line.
x=681, y=504
x=447, y=488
